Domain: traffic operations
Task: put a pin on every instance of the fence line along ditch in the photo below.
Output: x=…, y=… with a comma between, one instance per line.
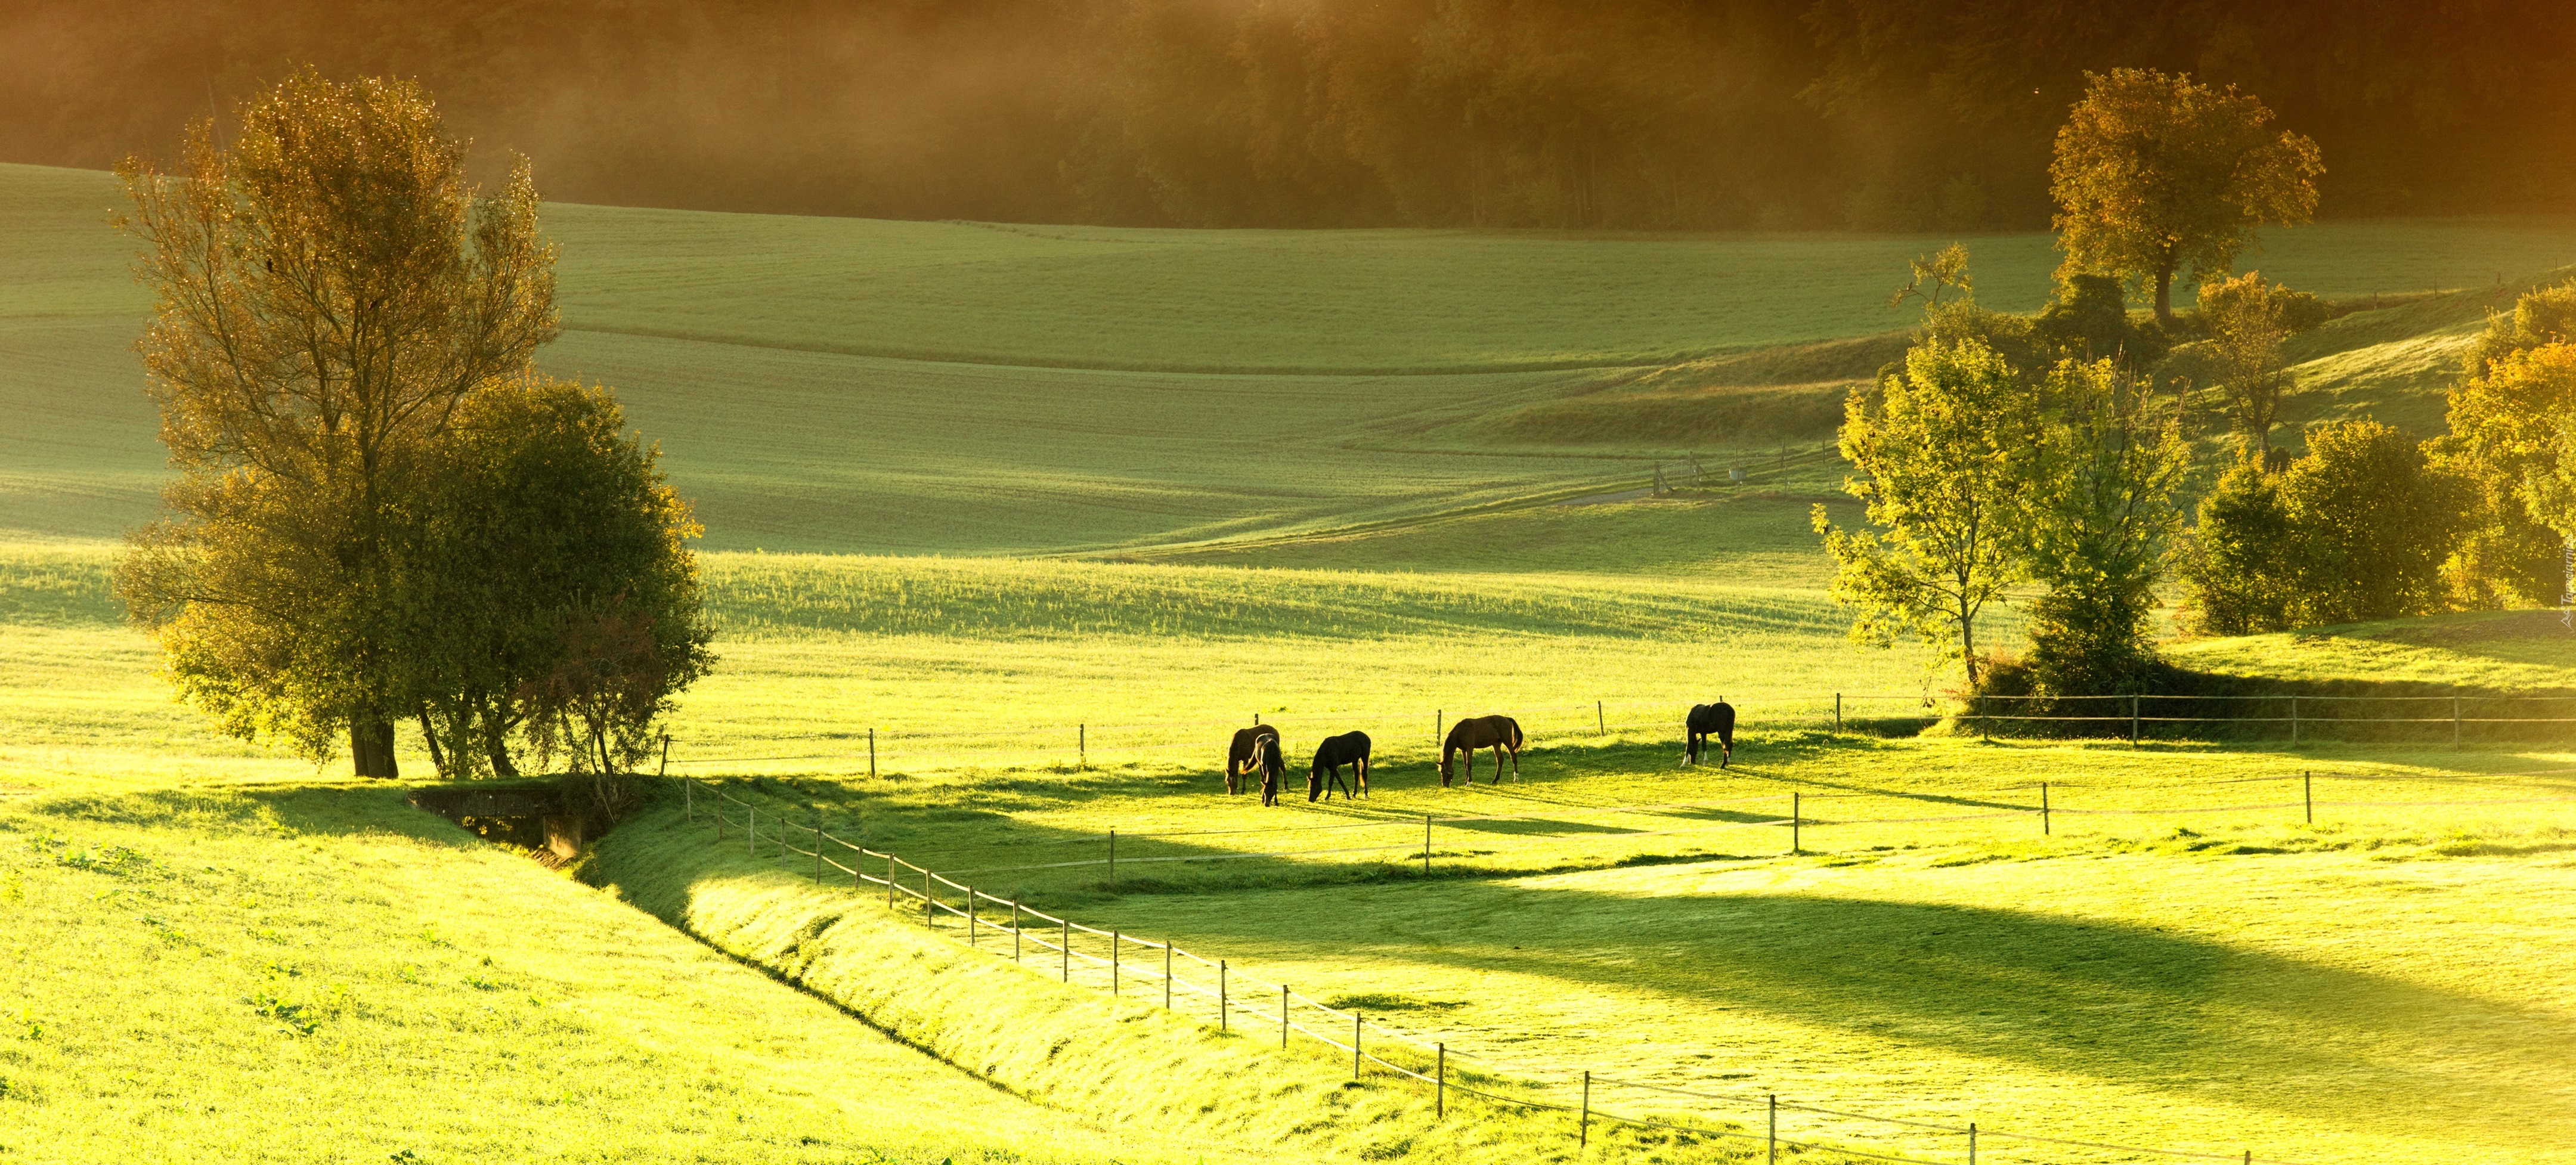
x=1232, y=1002
x=2298, y=718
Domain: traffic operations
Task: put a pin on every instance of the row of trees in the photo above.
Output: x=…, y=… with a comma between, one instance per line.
x=381, y=512
x=1880, y=114
x=2050, y=451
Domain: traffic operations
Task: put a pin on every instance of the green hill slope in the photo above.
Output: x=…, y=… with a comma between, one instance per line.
x=848, y=384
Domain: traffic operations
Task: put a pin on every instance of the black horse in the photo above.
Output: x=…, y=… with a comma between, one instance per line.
x=1239, y=752
x=1350, y=748
x=1704, y=719
x=1267, y=761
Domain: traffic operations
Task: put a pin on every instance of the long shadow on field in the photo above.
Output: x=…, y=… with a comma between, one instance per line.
x=2134, y=1005
x=330, y=810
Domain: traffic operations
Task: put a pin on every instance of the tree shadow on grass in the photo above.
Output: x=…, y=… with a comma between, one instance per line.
x=313, y=810
x=2125, y=1004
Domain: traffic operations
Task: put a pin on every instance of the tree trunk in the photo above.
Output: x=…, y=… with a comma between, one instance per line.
x=1968, y=648
x=429, y=733
x=371, y=746
x=2164, y=295
x=496, y=741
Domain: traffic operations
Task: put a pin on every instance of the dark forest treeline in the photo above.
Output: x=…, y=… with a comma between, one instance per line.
x=1643, y=114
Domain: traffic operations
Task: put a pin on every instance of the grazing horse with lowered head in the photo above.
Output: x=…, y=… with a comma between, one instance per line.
x=1350, y=748
x=1497, y=732
x=1238, y=754
x=1704, y=719
x=1272, y=767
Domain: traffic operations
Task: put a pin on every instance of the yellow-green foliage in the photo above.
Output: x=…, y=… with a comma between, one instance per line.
x=320, y=973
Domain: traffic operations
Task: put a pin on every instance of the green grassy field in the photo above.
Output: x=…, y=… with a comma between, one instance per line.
x=314, y=972
x=1332, y=480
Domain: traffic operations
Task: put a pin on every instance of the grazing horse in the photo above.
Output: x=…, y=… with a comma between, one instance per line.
x=1267, y=761
x=1350, y=748
x=1497, y=732
x=1239, y=753
x=1704, y=719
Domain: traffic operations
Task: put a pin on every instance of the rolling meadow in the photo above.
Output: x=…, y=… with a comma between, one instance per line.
x=1035, y=516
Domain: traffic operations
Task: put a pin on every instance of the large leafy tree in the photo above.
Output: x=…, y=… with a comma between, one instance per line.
x=2102, y=520
x=1945, y=453
x=2158, y=177
x=552, y=593
x=328, y=290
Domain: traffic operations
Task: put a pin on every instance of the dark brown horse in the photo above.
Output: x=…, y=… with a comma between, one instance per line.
x=1239, y=754
x=1703, y=721
x=1497, y=732
x=1272, y=767
x=1350, y=748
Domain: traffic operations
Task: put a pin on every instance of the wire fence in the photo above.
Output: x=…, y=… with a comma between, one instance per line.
x=2457, y=719
x=1212, y=991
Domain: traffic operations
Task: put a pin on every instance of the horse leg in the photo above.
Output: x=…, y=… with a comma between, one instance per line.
x=1516, y=762
x=1362, y=772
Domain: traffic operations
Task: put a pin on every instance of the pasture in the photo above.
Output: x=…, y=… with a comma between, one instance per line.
x=1041, y=514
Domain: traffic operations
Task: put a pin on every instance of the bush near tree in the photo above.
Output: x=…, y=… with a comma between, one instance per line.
x=2102, y=522
x=2358, y=529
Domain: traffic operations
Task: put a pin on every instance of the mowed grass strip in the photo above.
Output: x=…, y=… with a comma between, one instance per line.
x=320, y=973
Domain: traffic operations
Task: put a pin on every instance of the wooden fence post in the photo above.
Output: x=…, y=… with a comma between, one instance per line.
x=1838, y=713
x=1774, y=1137
x=1015, y=930
x=970, y=916
x=1793, y=825
x=1113, y=962
x=1081, y=747
x=889, y=881
x=666, y=756
x=1283, y=1017
x=1435, y=729
x=1113, y=857
x=1167, y=972
x=1220, y=996
x=1600, y=720
x=2133, y=720
x=1067, y=950
x=925, y=897
x=1583, y=1128
x=1355, y=1047
x=1440, y=1082
x=872, y=752
x=750, y=830
x=2308, y=794
x=2044, y=829
x=1972, y=1143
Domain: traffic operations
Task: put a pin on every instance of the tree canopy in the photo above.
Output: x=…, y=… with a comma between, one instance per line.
x=380, y=514
x=2158, y=176
x=328, y=288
